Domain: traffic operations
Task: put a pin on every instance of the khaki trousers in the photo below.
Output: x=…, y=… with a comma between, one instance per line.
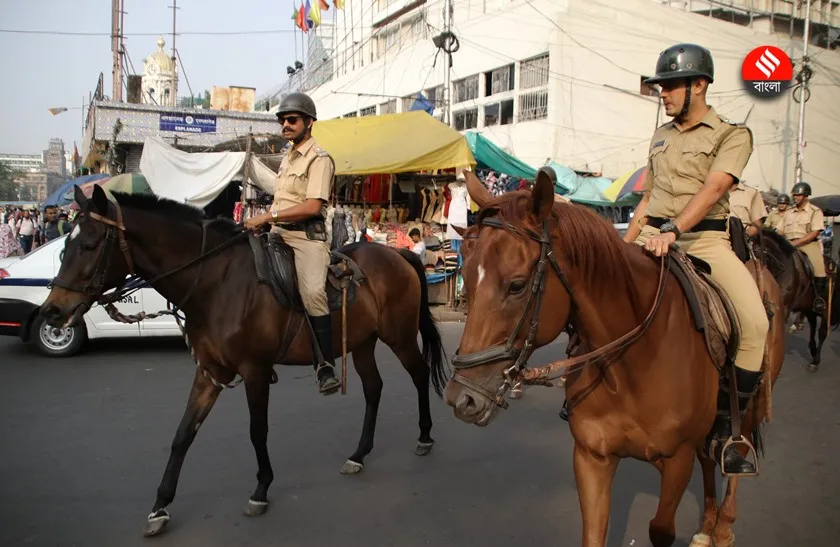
x=312, y=259
x=735, y=279
x=815, y=256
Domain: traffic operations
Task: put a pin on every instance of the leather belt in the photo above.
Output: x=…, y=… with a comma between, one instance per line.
x=293, y=227
x=705, y=225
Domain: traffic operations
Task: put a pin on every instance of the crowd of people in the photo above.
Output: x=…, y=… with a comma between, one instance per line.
x=23, y=230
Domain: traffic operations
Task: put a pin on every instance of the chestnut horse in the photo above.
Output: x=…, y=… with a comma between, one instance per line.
x=235, y=325
x=533, y=268
x=789, y=268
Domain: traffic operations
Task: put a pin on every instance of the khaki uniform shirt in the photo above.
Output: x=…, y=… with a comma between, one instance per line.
x=774, y=219
x=745, y=203
x=305, y=173
x=797, y=223
x=680, y=160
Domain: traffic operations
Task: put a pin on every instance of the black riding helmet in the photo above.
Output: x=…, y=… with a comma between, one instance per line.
x=801, y=188
x=783, y=199
x=684, y=62
x=299, y=103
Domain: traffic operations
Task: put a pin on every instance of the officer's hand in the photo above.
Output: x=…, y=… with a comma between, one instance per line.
x=659, y=244
x=254, y=223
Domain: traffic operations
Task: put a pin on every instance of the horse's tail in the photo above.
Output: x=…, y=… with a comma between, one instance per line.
x=433, y=352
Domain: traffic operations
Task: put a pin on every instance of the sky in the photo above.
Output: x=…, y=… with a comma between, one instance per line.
x=42, y=71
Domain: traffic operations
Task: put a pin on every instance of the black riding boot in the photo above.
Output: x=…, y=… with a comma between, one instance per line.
x=820, y=286
x=733, y=462
x=327, y=382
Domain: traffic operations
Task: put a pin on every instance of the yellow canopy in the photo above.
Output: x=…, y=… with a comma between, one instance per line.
x=392, y=143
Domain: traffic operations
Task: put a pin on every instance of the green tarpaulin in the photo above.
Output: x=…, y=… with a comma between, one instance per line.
x=490, y=156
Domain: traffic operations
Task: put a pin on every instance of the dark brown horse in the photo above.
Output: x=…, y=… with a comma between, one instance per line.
x=792, y=273
x=654, y=400
x=235, y=325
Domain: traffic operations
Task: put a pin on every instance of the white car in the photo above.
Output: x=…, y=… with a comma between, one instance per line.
x=23, y=288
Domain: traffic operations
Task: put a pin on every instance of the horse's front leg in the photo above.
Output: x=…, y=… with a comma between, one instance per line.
x=257, y=383
x=703, y=538
x=594, y=476
x=202, y=397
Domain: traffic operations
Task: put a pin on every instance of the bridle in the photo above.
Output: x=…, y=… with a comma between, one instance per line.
x=507, y=351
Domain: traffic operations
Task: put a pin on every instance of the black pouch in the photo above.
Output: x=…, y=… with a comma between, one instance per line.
x=738, y=238
x=316, y=230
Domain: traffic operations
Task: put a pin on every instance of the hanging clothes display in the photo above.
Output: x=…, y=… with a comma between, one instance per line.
x=457, y=209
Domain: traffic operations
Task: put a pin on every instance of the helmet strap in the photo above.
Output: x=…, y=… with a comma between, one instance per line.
x=681, y=117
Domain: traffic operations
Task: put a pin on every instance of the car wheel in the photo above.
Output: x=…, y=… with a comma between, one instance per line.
x=57, y=342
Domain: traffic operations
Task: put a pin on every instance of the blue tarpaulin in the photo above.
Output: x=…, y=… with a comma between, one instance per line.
x=58, y=197
x=490, y=156
x=587, y=190
x=422, y=103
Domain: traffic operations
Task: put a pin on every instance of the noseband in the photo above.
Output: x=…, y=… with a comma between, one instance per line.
x=507, y=351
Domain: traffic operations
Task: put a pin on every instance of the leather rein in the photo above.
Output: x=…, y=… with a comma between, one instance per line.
x=507, y=352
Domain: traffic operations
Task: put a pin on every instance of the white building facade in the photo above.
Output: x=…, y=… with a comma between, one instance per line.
x=160, y=78
x=562, y=79
x=23, y=163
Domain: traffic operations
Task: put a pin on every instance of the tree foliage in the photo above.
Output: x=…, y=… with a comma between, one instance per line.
x=8, y=188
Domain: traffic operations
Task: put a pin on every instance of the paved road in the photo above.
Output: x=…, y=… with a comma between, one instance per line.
x=85, y=441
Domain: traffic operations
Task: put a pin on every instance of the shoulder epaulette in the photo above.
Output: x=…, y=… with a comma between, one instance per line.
x=321, y=152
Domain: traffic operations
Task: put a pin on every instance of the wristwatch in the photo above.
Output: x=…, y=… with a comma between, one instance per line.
x=274, y=214
x=670, y=227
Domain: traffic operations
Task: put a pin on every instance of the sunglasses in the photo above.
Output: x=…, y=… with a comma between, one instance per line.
x=291, y=119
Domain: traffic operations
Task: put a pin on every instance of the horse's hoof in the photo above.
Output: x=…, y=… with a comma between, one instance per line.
x=701, y=540
x=423, y=448
x=813, y=367
x=156, y=522
x=516, y=393
x=351, y=468
x=255, y=508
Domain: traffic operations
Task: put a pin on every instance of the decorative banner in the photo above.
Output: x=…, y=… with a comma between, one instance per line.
x=767, y=71
x=187, y=123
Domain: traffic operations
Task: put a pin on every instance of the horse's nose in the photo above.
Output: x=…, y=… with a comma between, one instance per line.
x=51, y=311
x=465, y=404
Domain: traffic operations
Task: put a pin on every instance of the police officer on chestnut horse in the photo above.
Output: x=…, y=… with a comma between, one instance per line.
x=693, y=163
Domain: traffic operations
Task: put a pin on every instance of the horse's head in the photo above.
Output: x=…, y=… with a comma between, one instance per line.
x=513, y=282
x=95, y=260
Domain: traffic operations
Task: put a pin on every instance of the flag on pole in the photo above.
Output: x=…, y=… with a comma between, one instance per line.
x=300, y=19
x=314, y=13
x=58, y=110
x=324, y=5
x=339, y=4
x=309, y=21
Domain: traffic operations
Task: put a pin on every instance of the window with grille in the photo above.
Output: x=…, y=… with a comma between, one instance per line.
x=534, y=72
x=465, y=89
x=533, y=106
x=389, y=107
x=499, y=113
x=369, y=111
x=408, y=101
x=466, y=119
x=435, y=96
x=498, y=80
x=350, y=115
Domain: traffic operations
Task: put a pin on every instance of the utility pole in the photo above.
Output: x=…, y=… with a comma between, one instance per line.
x=116, y=50
x=805, y=77
x=447, y=76
x=174, y=97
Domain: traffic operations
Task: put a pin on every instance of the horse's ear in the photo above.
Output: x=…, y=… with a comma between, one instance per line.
x=461, y=231
x=542, y=195
x=100, y=200
x=80, y=197
x=475, y=188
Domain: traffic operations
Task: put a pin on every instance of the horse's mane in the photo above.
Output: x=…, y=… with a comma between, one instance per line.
x=175, y=211
x=586, y=240
x=781, y=241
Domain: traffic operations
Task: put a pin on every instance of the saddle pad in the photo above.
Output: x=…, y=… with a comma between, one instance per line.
x=711, y=309
x=275, y=265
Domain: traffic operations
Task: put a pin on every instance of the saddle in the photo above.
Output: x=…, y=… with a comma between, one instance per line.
x=275, y=265
x=711, y=309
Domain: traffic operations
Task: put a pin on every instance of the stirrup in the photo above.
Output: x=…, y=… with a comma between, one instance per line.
x=330, y=389
x=732, y=442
